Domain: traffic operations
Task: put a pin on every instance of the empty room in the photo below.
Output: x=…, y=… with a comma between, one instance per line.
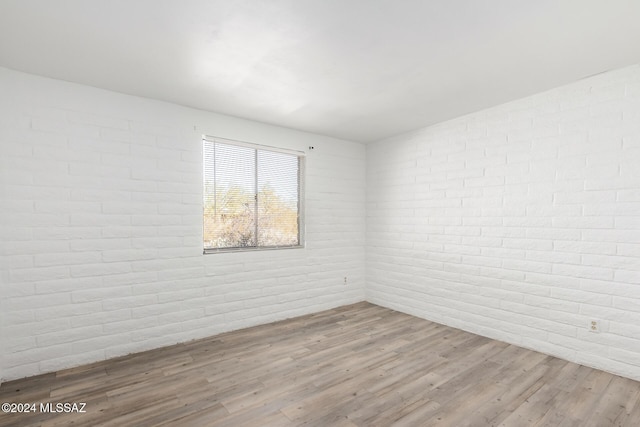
x=321, y=213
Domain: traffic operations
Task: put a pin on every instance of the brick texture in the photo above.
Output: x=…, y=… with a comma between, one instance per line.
x=520, y=222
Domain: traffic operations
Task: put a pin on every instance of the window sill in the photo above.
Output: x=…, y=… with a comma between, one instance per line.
x=250, y=249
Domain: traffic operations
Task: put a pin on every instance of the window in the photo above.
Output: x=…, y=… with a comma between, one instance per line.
x=252, y=196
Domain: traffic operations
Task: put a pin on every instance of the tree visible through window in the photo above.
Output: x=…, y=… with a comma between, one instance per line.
x=252, y=196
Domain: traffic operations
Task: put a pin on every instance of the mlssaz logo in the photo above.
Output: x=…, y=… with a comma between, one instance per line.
x=65, y=407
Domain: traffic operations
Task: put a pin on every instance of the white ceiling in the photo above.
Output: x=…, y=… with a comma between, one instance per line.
x=355, y=69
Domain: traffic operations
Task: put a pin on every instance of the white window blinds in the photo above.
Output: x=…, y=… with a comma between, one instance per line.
x=252, y=196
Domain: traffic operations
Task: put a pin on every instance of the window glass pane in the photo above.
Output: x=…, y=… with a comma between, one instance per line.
x=229, y=196
x=278, y=196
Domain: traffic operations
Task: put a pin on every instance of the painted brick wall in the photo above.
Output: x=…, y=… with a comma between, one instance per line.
x=520, y=222
x=101, y=229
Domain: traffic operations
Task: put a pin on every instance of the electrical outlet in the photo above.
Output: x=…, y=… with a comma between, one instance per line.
x=594, y=326
x=345, y=281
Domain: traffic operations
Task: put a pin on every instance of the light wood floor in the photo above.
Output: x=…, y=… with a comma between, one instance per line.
x=360, y=365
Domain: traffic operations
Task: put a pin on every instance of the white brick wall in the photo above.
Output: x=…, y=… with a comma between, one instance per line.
x=520, y=222
x=101, y=230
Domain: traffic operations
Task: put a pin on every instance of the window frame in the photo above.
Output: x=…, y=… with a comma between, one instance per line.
x=301, y=156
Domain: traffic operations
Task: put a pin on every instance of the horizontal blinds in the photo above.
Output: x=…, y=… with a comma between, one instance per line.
x=251, y=197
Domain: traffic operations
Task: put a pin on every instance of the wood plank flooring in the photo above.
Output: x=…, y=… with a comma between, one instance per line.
x=359, y=365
